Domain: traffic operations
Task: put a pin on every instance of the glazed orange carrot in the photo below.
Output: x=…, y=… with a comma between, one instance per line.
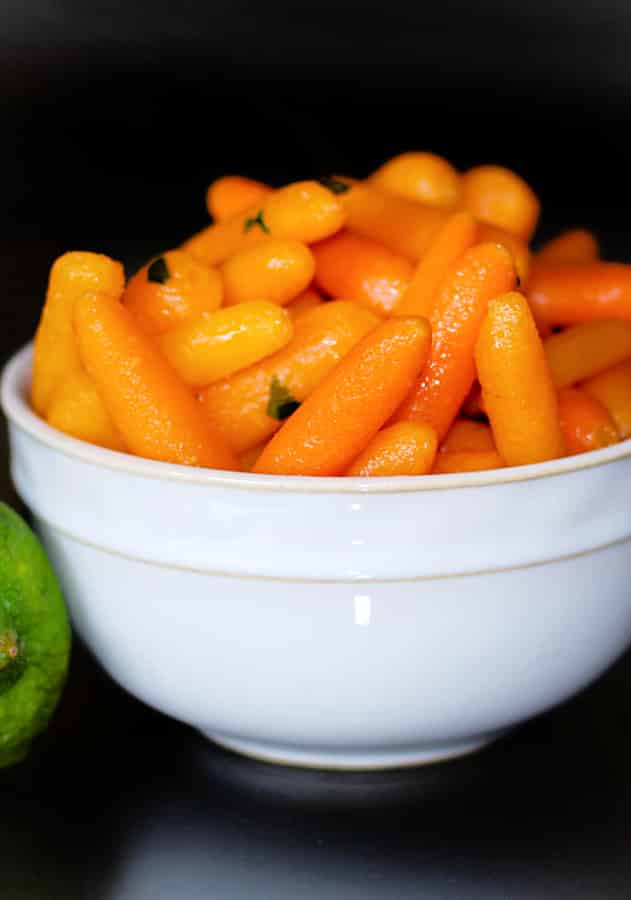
x=407, y=448
x=519, y=394
x=467, y=461
x=305, y=211
x=215, y=243
x=347, y=409
x=76, y=409
x=580, y=292
x=423, y=177
x=352, y=267
x=613, y=389
x=485, y=271
x=467, y=435
x=151, y=408
x=408, y=227
x=517, y=248
x=232, y=194
x=456, y=235
x=583, y=350
x=576, y=245
x=585, y=422
x=251, y=405
x=402, y=225
x=216, y=346
x=304, y=302
x=276, y=270
x=500, y=197
x=55, y=353
x=170, y=290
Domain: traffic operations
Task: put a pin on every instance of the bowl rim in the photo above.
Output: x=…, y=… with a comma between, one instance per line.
x=15, y=377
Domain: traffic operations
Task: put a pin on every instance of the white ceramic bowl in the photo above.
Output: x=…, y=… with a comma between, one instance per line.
x=348, y=623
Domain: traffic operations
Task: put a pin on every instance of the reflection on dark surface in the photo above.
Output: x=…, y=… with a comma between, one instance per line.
x=469, y=829
x=118, y=803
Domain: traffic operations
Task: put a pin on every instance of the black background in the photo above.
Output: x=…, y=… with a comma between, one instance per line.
x=113, y=119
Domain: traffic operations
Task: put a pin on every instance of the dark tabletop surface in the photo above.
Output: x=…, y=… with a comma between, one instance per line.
x=109, y=132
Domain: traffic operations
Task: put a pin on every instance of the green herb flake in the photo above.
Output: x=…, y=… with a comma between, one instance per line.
x=158, y=271
x=334, y=184
x=257, y=220
x=281, y=404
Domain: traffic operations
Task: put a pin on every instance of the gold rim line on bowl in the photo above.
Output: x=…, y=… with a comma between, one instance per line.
x=16, y=408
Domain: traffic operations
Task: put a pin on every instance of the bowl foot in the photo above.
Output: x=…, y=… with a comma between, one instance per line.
x=353, y=760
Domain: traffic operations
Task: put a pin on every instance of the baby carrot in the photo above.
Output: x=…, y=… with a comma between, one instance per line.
x=152, y=409
x=56, y=353
x=304, y=302
x=76, y=409
x=276, y=270
x=485, y=271
x=576, y=245
x=585, y=422
x=517, y=247
x=580, y=292
x=215, y=346
x=519, y=394
x=613, y=389
x=251, y=405
x=407, y=448
x=352, y=267
x=305, y=211
x=347, y=409
x=467, y=435
x=216, y=242
x=456, y=235
x=402, y=225
x=424, y=177
x=233, y=194
x=467, y=461
x=500, y=197
x=583, y=350
x=170, y=290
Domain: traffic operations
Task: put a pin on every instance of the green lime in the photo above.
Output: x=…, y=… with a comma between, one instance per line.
x=34, y=637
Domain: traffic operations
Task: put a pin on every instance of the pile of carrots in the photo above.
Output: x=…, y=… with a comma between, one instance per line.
x=399, y=325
